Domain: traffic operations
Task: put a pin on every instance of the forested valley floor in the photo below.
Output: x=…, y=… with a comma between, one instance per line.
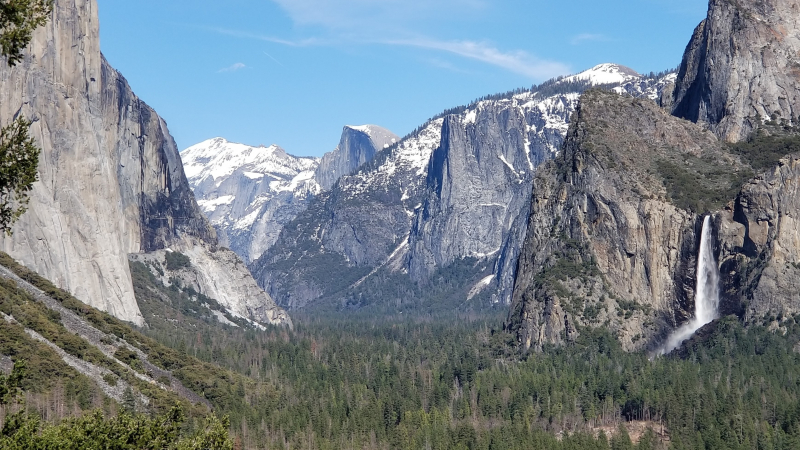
x=351, y=380
x=347, y=379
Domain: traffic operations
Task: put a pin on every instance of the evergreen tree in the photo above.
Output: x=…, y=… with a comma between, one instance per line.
x=18, y=20
x=19, y=156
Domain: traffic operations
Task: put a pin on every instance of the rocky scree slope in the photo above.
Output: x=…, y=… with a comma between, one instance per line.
x=250, y=193
x=454, y=193
x=109, y=353
x=742, y=67
x=111, y=182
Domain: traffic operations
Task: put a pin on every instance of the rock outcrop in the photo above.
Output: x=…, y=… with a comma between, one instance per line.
x=218, y=273
x=742, y=67
x=357, y=146
x=760, y=246
x=111, y=180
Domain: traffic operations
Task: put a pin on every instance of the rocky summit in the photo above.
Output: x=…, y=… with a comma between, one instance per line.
x=741, y=67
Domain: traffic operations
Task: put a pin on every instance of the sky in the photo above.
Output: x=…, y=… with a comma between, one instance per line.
x=294, y=72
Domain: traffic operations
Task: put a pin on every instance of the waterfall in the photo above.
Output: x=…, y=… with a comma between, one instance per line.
x=706, y=297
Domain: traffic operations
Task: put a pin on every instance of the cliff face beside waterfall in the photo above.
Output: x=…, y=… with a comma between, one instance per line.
x=612, y=239
x=111, y=180
x=614, y=227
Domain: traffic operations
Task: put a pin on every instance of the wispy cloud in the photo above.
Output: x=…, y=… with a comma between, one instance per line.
x=261, y=37
x=233, y=68
x=588, y=37
x=516, y=61
x=358, y=22
x=273, y=58
x=442, y=64
x=372, y=14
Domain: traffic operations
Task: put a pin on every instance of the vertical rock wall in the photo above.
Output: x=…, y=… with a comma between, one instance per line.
x=742, y=66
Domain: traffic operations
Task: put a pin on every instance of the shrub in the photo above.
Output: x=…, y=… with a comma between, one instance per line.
x=176, y=260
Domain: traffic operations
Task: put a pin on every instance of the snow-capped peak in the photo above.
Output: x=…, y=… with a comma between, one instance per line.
x=605, y=74
x=220, y=158
x=380, y=136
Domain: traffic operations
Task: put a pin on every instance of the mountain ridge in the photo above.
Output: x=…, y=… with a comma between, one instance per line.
x=366, y=218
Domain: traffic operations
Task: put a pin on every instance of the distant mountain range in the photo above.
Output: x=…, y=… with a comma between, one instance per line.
x=249, y=193
x=454, y=193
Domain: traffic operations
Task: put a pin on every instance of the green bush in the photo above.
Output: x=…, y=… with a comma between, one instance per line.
x=176, y=260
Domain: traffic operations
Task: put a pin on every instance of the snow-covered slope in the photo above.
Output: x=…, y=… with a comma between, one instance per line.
x=605, y=74
x=456, y=191
x=247, y=192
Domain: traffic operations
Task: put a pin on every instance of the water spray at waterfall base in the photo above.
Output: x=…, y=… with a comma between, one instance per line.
x=706, y=297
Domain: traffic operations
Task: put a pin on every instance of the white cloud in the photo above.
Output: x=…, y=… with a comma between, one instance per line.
x=588, y=37
x=516, y=61
x=260, y=37
x=442, y=64
x=233, y=68
x=396, y=22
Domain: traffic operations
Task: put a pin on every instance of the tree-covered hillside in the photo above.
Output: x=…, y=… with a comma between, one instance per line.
x=355, y=381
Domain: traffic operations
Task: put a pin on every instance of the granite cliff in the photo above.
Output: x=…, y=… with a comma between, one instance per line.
x=742, y=67
x=614, y=224
x=358, y=145
x=111, y=182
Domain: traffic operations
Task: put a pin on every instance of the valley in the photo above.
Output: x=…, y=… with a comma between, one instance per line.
x=604, y=260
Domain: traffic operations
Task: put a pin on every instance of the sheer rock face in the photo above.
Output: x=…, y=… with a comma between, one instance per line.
x=760, y=246
x=110, y=176
x=605, y=246
x=478, y=183
x=743, y=62
x=358, y=145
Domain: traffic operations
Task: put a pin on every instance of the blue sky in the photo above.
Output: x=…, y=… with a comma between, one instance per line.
x=293, y=72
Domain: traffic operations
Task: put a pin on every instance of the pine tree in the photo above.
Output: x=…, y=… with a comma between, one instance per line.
x=128, y=401
x=19, y=156
x=18, y=20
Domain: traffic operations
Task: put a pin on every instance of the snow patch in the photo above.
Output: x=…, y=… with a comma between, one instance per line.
x=480, y=286
x=605, y=74
x=222, y=319
x=213, y=204
x=471, y=117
